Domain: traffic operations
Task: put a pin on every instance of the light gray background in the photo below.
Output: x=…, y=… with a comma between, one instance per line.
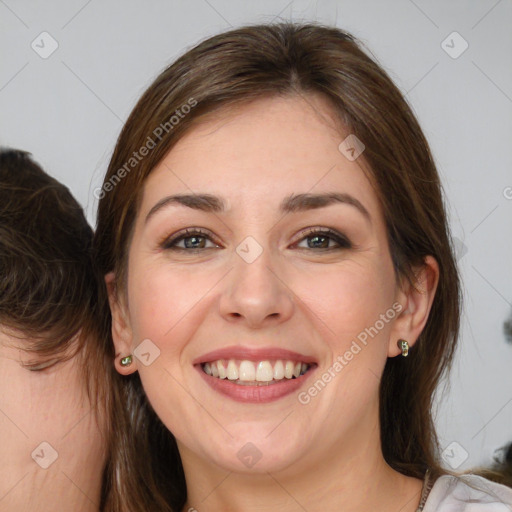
x=67, y=110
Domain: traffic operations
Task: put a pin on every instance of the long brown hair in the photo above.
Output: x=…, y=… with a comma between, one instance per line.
x=287, y=59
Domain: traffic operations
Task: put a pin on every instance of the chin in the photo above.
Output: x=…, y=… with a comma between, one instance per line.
x=256, y=454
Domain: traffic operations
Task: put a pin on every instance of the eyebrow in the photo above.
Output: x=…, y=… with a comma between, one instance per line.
x=291, y=204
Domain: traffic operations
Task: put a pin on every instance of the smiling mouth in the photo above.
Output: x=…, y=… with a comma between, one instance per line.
x=256, y=373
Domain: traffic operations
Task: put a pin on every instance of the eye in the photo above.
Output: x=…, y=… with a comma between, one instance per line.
x=321, y=237
x=193, y=239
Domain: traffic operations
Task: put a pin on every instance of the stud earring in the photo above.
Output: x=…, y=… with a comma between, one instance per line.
x=404, y=347
x=126, y=361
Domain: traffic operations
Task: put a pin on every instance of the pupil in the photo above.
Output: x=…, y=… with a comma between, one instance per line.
x=191, y=245
x=325, y=239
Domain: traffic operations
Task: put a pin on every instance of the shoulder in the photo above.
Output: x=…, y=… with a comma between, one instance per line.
x=468, y=493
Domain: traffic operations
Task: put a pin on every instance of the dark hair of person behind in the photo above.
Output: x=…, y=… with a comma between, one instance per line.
x=46, y=290
x=50, y=302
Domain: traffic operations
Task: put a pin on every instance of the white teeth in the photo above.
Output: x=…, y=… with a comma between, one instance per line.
x=265, y=372
x=247, y=371
x=279, y=370
x=232, y=371
x=222, y=370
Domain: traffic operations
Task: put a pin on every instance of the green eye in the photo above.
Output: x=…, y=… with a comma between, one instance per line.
x=322, y=237
x=195, y=239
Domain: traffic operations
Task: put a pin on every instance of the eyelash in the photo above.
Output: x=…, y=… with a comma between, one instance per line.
x=343, y=242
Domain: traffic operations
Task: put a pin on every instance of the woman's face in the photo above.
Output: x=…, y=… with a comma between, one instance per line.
x=262, y=292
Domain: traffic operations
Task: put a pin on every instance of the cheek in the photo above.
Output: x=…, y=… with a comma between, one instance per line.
x=167, y=304
x=158, y=298
x=348, y=304
x=350, y=298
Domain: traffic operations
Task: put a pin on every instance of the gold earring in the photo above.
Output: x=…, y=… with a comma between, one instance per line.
x=126, y=361
x=404, y=347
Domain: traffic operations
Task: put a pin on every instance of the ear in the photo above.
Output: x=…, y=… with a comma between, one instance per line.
x=416, y=302
x=121, y=330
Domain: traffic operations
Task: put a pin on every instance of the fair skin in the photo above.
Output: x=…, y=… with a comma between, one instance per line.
x=296, y=295
x=48, y=406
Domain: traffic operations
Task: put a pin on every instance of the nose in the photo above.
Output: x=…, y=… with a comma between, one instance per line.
x=256, y=294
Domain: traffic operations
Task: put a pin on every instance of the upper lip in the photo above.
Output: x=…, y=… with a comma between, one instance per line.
x=252, y=354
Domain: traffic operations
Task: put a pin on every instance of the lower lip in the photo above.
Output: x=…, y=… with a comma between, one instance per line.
x=255, y=394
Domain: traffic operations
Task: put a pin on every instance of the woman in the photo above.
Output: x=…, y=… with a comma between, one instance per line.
x=283, y=291
x=52, y=376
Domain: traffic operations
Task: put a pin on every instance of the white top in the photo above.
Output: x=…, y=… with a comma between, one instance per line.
x=468, y=493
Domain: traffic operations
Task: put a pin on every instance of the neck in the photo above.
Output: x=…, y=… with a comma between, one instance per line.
x=75, y=487
x=49, y=407
x=352, y=476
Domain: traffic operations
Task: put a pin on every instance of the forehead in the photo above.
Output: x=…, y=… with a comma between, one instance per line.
x=262, y=152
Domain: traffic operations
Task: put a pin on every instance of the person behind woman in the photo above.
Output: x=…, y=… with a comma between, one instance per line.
x=283, y=289
x=501, y=470
x=52, y=407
